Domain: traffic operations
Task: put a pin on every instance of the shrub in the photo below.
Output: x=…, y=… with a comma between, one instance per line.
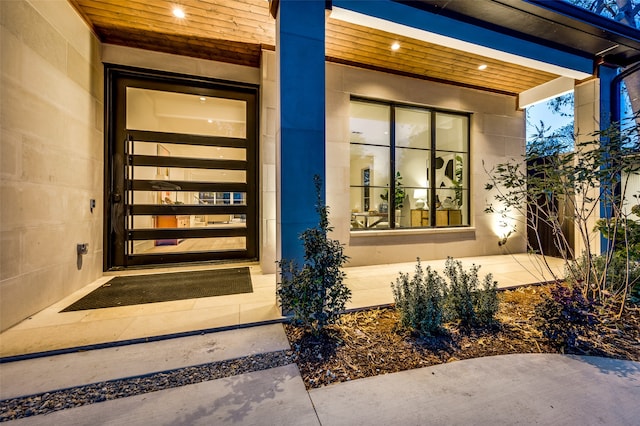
x=486, y=301
x=315, y=293
x=426, y=301
x=459, y=301
x=621, y=274
x=562, y=314
x=465, y=301
x=420, y=300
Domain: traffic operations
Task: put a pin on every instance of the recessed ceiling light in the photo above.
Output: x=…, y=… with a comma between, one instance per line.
x=482, y=67
x=178, y=12
x=395, y=46
x=202, y=99
x=209, y=121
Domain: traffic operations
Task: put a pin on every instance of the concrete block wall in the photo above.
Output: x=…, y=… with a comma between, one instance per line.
x=51, y=132
x=268, y=173
x=586, y=122
x=497, y=135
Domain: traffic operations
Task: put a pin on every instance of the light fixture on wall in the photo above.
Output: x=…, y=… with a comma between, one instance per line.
x=420, y=195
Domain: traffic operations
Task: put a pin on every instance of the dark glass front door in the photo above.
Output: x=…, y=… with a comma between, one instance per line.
x=181, y=170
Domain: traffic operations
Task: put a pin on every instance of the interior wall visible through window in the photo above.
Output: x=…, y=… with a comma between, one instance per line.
x=409, y=166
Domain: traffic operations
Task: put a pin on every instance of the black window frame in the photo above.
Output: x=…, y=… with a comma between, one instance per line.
x=433, y=149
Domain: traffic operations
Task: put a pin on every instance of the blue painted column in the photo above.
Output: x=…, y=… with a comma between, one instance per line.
x=300, y=49
x=606, y=75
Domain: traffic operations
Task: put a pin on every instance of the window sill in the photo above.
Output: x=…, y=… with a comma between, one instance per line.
x=412, y=231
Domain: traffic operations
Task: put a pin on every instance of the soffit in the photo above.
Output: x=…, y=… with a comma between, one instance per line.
x=236, y=32
x=557, y=24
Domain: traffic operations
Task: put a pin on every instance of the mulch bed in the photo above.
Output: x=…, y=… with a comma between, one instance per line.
x=371, y=342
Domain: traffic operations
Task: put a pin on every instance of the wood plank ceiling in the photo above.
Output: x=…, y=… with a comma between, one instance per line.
x=236, y=32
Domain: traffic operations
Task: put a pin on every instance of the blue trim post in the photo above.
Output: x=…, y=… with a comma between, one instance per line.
x=606, y=74
x=300, y=49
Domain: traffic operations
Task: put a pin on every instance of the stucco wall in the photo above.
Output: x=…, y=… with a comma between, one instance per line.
x=51, y=125
x=497, y=134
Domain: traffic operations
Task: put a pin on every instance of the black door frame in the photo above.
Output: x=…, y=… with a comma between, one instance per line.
x=117, y=78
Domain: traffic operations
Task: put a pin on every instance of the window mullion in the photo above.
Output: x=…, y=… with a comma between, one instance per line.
x=392, y=168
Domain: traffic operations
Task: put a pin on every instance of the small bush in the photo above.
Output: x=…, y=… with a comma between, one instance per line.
x=562, y=314
x=420, y=300
x=465, y=301
x=459, y=301
x=621, y=274
x=486, y=302
x=426, y=301
x=315, y=293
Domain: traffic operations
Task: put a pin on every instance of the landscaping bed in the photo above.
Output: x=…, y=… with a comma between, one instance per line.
x=371, y=342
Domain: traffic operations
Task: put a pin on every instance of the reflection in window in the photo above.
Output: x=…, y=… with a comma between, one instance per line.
x=409, y=167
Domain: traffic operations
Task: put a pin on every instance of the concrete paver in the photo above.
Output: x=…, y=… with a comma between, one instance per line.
x=62, y=371
x=269, y=397
x=541, y=389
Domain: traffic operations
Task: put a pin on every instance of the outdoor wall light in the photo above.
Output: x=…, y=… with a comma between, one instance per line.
x=482, y=67
x=395, y=46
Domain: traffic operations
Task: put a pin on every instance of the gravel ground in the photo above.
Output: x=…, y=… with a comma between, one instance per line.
x=48, y=402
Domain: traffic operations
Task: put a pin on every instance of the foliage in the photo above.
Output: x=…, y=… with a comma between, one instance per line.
x=425, y=300
x=315, y=294
x=621, y=275
x=562, y=104
x=457, y=181
x=465, y=301
x=561, y=315
x=420, y=300
x=594, y=174
x=544, y=143
x=623, y=233
x=624, y=11
x=399, y=194
x=486, y=301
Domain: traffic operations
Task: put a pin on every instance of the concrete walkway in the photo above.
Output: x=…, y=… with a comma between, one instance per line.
x=538, y=389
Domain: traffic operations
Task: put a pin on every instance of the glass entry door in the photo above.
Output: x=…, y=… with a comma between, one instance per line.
x=182, y=173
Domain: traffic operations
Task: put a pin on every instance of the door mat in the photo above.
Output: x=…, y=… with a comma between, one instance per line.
x=140, y=289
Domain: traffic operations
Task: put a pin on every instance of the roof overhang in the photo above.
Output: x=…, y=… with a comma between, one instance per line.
x=559, y=25
x=553, y=37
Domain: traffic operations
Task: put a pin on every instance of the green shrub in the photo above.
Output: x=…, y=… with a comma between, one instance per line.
x=315, y=293
x=621, y=274
x=420, y=300
x=459, y=301
x=426, y=301
x=465, y=301
x=486, y=301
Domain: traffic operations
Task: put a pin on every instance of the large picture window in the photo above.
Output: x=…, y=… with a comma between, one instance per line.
x=409, y=167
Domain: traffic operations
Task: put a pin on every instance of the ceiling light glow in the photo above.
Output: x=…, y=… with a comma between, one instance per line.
x=482, y=67
x=178, y=13
x=395, y=46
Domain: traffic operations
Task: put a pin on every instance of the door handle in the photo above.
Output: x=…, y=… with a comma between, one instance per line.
x=116, y=198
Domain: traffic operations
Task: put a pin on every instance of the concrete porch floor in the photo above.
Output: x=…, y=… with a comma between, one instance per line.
x=51, y=329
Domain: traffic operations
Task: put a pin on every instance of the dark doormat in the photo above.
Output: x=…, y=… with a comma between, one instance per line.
x=140, y=289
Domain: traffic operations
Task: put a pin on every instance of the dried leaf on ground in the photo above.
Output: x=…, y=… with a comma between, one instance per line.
x=371, y=342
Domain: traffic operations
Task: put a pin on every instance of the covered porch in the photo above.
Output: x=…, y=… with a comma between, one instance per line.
x=52, y=330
